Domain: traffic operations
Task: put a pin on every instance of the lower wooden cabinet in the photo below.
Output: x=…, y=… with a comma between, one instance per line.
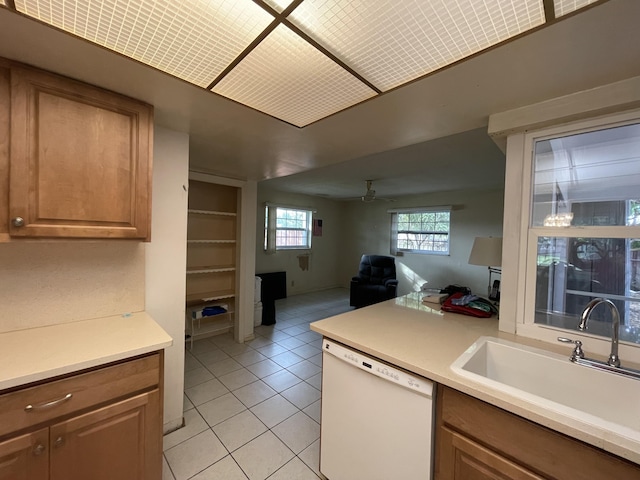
x=119, y=438
x=25, y=457
x=470, y=460
x=106, y=444
x=477, y=441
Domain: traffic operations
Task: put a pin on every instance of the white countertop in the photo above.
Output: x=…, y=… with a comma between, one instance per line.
x=423, y=340
x=39, y=353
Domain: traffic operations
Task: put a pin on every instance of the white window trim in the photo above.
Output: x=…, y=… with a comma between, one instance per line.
x=393, y=248
x=523, y=304
x=271, y=230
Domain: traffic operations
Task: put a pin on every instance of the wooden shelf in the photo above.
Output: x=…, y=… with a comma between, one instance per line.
x=211, y=241
x=211, y=212
x=210, y=296
x=211, y=269
x=212, y=260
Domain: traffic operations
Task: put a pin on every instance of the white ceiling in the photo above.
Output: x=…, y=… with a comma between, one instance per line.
x=596, y=46
x=468, y=160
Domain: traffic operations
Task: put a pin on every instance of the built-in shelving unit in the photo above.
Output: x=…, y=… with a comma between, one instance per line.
x=212, y=230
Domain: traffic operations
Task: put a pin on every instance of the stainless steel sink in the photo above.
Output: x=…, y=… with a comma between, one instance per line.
x=591, y=396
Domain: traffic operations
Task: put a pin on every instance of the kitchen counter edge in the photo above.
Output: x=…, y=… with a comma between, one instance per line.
x=37, y=354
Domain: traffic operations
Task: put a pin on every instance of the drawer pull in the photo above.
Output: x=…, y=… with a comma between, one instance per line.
x=52, y=403
x=39, y=449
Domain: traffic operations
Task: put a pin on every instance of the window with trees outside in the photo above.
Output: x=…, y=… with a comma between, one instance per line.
x=584, y=228
x=287, y=228
x=421, y=230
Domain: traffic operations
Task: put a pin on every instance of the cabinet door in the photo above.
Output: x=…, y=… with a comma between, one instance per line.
x=25, y=457
x=80, y=160
x=467, y=460
x=119, y=441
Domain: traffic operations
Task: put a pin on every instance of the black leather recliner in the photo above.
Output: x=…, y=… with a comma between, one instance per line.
x=376, y=281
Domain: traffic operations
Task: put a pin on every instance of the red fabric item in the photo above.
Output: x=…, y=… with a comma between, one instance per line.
x=447, y=306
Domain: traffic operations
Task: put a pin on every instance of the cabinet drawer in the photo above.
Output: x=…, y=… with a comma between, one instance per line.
x=68, y=395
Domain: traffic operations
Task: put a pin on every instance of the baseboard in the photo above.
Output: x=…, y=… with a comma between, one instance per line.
x=173, y=426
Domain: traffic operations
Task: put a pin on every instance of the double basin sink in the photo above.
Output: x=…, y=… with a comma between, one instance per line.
x=589, y=396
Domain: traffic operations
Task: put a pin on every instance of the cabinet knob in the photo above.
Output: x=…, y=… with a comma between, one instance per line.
x=58, y=442
x=18, y=222
x=39, y=449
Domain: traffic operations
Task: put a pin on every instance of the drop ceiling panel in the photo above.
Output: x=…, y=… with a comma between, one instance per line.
x=385, y=42
x=193, y=40
x=562, y=7
x=391, y=43
x=284, y=76
x=278, y=5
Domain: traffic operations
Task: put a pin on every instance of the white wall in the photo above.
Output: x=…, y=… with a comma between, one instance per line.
x=247, y=246
x=352, y=229
x=475, y=213
x=166, y=260
x=325, y=252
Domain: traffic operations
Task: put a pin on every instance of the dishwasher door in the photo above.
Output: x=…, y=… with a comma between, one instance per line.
x=377, y=420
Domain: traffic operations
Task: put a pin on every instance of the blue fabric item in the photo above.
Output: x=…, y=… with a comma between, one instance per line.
x=465, y=300
x=214, y=310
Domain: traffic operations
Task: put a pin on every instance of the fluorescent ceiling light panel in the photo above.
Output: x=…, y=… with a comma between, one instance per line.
x=390, y=43
x=284, y=76
x=562, y=7
x=191, y=39
x=278, y=5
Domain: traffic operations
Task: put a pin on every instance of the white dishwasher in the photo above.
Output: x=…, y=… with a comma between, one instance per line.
x=377, y=420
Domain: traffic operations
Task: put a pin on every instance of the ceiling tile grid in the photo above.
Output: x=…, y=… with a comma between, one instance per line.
x=563, y=7
x=286, y=77
x=279, y=5
x=363, y=43
x=192, y=39
x=391, y=43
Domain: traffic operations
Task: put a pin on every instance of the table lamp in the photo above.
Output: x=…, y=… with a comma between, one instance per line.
x=487, y=251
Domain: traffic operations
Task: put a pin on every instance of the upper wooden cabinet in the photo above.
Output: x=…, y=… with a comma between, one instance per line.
x=79, y=163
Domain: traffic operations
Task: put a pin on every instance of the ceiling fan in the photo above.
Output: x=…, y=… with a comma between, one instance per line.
x=370, y=194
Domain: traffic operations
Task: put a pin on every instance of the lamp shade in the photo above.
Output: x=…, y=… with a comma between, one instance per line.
x=486, y=251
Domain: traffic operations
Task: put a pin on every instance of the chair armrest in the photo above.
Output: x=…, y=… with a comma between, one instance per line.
x=391, y=283
x=356, y=280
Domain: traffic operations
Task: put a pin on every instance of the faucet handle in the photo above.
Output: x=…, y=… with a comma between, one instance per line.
x=577, y=351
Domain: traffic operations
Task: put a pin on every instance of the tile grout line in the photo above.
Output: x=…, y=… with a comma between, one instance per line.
x=295, y=324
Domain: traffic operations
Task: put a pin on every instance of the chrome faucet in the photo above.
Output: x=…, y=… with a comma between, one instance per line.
x=614, y=360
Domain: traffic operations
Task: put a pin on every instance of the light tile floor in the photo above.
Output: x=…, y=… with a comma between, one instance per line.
x=252, y=411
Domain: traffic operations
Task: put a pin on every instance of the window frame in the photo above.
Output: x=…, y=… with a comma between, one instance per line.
x=396, y=250
x=271, y=228
x=528, y=251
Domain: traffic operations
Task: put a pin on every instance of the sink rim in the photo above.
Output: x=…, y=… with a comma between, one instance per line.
x=583, y=418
